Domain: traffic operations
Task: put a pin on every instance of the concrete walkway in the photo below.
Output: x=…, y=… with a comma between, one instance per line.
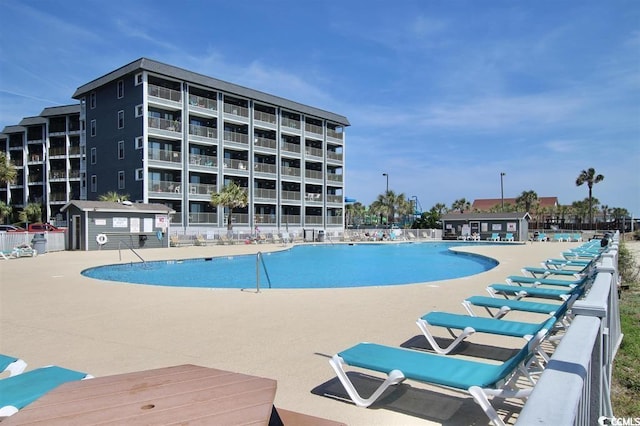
x=50, y=314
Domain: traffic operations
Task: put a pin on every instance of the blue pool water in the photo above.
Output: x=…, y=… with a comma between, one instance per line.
x=322, y=266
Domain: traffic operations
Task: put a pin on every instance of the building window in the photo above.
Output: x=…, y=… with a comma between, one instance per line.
x=120, y=119
x=94, y=155
x=93, y=127
x=139, y=174
x=121, y=179
x=94, y=183
x=120, y=89
x=92, y=100
x=138, y=79
x=120, y=150
x=139, y=142
x=139, y=111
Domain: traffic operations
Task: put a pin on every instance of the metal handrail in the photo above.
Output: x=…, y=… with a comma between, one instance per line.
x=130, y=247
x=260, y=259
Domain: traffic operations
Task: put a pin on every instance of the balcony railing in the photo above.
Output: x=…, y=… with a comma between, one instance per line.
x=202, y=102
x=58, y=174
x=313, y=128
x=313, y=220
x=203, y=217
x=164, y=93
x=235, y=164
x=74, y=174
x=265, y=142
x=265, y=168
x=313, y=197
x=333, y=177
x=265, y=117
x=57, y=151
x=35, y=179
x=316, y=152
x=291, y=123
x=165, y=186
x=290, y=171
x=263, y=193
x=202, y=189
x=313, y=174
x=74, y=150
x=57, y=196
x=334, y=198
x=334, y=134
x=238, y=218
x=165, y=155
x=164, y=124
x=290, y=219
x=236, y=110
x=203, y=160
x=334, y=220
x=332, y=155
x=290, y=195
x=291, y=147
x=204, y=131
x=236, y=137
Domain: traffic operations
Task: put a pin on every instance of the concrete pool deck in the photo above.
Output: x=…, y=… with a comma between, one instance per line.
x=50, y=314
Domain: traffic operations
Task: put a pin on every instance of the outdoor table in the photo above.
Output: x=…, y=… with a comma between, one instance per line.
x=184, y=394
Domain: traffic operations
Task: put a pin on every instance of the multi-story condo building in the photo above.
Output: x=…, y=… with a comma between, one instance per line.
x=46, y=153
x=162, y=134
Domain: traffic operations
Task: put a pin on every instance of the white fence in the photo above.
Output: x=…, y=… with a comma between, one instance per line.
x=56, y=241
x=575, y=387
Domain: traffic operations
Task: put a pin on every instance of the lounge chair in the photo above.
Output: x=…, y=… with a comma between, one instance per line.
x=24, y=250
x=541, y=237
x=494, y=237
x=6, y=254
x=471, y=325
x=504, y=306
x=16, y=392
x=11, y=365
x=518, y=280
x=508, y=236
x=520, y=292
x=481, y=380
x=541, y=272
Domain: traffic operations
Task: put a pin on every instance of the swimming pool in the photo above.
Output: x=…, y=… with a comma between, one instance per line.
x=307, y=266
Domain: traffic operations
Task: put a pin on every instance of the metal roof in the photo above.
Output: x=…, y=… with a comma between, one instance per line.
x=61, y=110
x=193, y=77
x=28, y=121
x=13, y=129
x=111, y=206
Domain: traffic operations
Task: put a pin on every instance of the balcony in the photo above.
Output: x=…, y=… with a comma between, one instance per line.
x=291, y=147
x=335, y=135
x=164, y=93
x=235, y=164
x=313, y=220
x=35, y=179
x=313, y=197
x=74, y=174
x=166, y=187
x=203, y=131
x=203, y=103
x=59, y=151
x=333, y=177
x=260, y=142
x=290, y=219
x=236, y=110
x=312, y=128
x=165, y=155
x=34, y=158
x=290, y=195
x=313, y=174
x=164, y=124
x=265, y=168
x=290, y=123
x=58, y=174
x=332, y=155
x=202, y=189
x=264, y=117
x=236, y=137
x=265, y=194
x=74, y=150
x=203, y=218
x=203, y=160
x=334, y=198
x=57, y=197
x=314, y=152
x=290, y=171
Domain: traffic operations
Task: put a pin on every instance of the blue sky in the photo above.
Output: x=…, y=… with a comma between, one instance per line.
x=441, y=95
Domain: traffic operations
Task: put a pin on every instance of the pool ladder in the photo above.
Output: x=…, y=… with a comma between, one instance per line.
x=130, y=247
x=260, y=261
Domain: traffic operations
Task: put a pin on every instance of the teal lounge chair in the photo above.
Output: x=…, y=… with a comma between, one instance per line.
x=566, y=263
x=504, y=306
x=518, y=280
x=11, y=365
x=471, y=325
x=16, y=392
x=520, y=292
x=494, y=237
x=508, y=236
x=542, y=272
x=480, y=379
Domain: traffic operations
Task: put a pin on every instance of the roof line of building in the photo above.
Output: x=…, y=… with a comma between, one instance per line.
x=206, y=81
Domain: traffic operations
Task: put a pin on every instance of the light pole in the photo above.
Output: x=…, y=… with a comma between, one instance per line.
x=387, y=176
x=502, y=189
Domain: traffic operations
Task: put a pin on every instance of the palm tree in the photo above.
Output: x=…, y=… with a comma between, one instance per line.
x=461, y=205
x=354, y=213
x=440, y=208
x=605, y=212
x=8, y=171
x=383, y=205
x=231, y=196
x=113, y=196
x=589, y=177
x=32, y=212
x=527, y=199
x=5, y=211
